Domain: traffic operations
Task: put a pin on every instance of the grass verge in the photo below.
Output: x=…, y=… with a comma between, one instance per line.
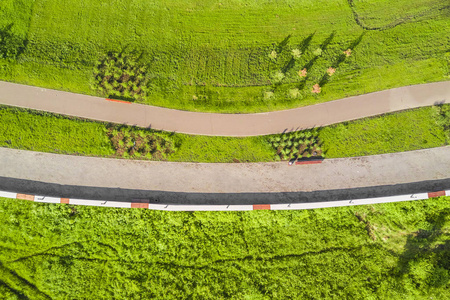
x=249, y=61
x=388, y=251
x=39, y=131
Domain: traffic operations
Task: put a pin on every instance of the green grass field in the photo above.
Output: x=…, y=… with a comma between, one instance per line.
x=387, y=251
x=403, y=131
x=215, y=56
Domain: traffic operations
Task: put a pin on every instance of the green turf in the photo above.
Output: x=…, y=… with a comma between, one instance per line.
x=407, y=130
x=214, y=56
x=404, y=131
x=222, y=149
x=39, y=131
x=384, y=251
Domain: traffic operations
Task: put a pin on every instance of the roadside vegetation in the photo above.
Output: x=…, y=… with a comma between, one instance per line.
x=403, y=131
x=386, y=251
x=257, y=56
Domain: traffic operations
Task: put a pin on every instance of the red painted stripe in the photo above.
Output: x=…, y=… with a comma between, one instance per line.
x=139, y=205
x=64, y=200
x=120, y=101
x=25, y=197
x=308, y=162
x=261, y=206
x=436, y=194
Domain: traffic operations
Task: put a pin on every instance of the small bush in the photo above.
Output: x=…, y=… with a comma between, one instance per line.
x=331, y=71
x=318, y=52
x=278, y=77
x=348, y=52
x=268, y=95
x=296, y=53
x=120, y=76
x=316, y=89
x=294, y=93
x=302, y=73
x=273, y=55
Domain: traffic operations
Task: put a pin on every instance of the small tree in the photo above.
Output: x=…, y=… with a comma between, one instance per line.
x=316, y=89
x=317, y=52
x=273, y=55
x=278, y=77
x=296, y=53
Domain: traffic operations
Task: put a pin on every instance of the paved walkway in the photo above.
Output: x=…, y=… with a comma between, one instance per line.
x=232, y=180
x=225, y=124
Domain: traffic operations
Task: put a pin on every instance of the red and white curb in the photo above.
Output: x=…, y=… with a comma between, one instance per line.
x=175, y=207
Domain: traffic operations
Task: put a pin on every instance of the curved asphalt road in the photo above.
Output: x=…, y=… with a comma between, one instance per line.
x=246, y=183
x=225, y=124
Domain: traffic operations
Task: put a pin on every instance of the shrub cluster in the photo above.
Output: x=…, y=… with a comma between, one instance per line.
x=443, y=118
x=121, y=76
x=296, y=145
x=140, y=144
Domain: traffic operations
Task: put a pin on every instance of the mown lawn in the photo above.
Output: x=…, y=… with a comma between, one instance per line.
x=385, y=251
x=218, y=56
x=397, y=132
x=403, y=131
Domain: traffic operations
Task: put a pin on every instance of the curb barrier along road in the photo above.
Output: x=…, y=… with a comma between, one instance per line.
x=173, y=207
x=309, y=162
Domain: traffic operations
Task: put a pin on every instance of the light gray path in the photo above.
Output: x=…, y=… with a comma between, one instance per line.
x=225, y=124
x=346, y=173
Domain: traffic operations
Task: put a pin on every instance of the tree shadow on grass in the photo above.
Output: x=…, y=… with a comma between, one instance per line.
x=305, y=43
x=426, y=258
x=325, y=78
x=283, y=44
x=327, y=41
x=302, y=47
x=11, y=45
x=323, y=46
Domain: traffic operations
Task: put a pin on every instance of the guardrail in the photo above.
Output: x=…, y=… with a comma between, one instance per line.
x=142, y=203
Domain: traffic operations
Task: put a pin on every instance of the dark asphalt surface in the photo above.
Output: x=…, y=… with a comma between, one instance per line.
x=163, y=197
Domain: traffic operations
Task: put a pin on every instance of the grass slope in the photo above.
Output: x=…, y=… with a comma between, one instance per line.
x=386, y=251
x=211, y=56
x=408, y=130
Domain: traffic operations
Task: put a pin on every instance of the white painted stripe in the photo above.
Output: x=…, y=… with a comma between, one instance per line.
x=447, y=193
x=45, y=199
x=100, y=203
x=312, y=205
x=200, y=207
x=8, y=195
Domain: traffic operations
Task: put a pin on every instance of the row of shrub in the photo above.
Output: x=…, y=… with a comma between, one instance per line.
x=128, y=142
x=297, y=145
x=121, y=76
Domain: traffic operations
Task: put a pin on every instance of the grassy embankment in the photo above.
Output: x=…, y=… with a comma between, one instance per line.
x=387, y=251
x=408, y=130
x=232, y=56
